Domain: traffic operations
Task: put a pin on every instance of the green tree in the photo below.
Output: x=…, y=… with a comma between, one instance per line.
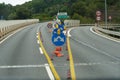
x=23, y=13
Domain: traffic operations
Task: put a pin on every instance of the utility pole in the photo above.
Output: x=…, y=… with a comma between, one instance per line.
x=106, y=13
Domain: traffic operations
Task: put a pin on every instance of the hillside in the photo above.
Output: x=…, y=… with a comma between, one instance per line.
x=47, y=9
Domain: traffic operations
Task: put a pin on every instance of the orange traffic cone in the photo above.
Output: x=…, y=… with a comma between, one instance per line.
x=58, y=48
x=58, y=54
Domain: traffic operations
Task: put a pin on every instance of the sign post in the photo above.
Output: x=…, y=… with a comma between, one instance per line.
x=110, y=18
x=98, y=16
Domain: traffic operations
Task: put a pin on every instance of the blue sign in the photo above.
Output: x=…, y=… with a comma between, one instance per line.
x=58, y=37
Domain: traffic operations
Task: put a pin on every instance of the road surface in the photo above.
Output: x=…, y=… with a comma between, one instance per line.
x=94, y=57
x=20, y=58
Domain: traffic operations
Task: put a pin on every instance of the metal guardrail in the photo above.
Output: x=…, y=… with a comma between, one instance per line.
x=7, y=26
x=112, y=33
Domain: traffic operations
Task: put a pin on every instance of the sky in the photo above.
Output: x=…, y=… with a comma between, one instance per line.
x=14, y=2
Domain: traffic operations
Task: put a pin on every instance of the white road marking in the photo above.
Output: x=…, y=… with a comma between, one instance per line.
x=21, y=66
x=10, y=35
x=91, y=29
x=40, y=50
x=95, y=48
x=97, y=63
x=102, y=52
x=49, y=72
x=37, y=36
x=38, y=42
x=68, y=33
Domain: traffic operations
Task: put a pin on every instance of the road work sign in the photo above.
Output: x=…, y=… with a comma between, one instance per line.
x=58, y=37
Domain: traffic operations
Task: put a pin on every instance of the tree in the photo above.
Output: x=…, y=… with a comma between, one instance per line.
x=23, y=13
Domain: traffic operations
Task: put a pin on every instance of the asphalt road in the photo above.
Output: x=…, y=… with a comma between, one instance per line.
x=20, y=58
x=95, y=57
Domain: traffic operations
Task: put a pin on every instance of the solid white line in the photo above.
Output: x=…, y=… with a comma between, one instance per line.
x=21, y=66
x=10, y=35
x=40, y=50
x=97, y=49
x=91, y=29
x=6, y=38
x=49, y=72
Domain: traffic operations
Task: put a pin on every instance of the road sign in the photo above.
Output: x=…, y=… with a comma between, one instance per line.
x=61, y=15
x=58, y=37
x=109, y=17
x=98, y=13
x=98, y=18
x=49, y=25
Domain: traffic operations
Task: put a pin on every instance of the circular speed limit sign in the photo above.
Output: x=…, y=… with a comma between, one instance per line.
x=98, y=13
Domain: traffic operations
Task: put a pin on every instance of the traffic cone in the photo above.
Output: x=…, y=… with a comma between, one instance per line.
x=68, y=58
x=51, y=57
x=66, y=47
x=58, y=54
x=50, y=30
x=58, y=48
x=68, y=75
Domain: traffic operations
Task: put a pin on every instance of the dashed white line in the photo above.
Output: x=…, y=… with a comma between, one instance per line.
x=49, y=72
x=37, y=36
x=40, y=50
x=38, y=41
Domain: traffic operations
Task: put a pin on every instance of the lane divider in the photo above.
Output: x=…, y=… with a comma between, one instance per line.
x=72, y=69
x=48, y=59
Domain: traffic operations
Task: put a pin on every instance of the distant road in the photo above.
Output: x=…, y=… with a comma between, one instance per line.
x=94, y=57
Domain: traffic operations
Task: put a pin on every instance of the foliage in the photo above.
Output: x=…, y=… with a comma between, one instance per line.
x=85, y=10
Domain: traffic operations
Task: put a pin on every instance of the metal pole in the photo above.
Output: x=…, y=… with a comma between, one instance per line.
x=106, y=13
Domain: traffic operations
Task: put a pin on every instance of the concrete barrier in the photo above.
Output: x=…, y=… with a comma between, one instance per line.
x=7, y=26
x=72, y=23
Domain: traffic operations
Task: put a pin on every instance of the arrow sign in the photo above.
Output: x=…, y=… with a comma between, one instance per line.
x=58, y=37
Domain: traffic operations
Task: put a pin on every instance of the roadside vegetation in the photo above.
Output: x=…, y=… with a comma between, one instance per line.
x=84, y=10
